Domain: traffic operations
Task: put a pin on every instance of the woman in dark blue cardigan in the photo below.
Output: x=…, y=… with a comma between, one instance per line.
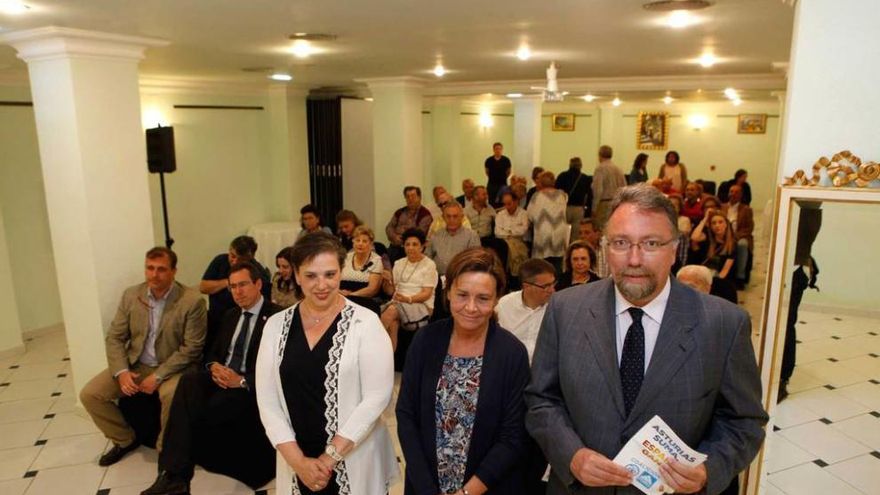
x=460, y=410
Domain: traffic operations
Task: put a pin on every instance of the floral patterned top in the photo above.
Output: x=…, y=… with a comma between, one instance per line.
x=455, y=410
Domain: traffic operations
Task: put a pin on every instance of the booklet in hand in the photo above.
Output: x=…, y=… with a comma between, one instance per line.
x=653, y=445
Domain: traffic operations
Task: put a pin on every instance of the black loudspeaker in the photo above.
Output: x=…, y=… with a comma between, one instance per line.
x=160, y=150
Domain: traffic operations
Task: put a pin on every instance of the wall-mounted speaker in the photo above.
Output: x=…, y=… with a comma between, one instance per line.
x=160, y=150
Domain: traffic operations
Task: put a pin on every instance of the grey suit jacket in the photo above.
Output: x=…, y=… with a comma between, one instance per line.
x=702, y=380
x=181, y=333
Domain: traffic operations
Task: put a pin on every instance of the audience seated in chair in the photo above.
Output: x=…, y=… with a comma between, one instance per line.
x=310, y=221
x=346, y=221
x=283, y=290
x=467, y=188
x=742, y=220
x=214, y=419
x=511, y=225
x=579, y=259
x=452, y=239
x=157, y=333
x=362, y=273
x=413, y=215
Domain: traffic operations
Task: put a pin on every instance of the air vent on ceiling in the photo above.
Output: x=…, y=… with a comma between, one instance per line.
x=313, y=36
x=670, y=5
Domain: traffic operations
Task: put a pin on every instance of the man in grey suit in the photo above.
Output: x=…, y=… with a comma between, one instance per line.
x=613, y=354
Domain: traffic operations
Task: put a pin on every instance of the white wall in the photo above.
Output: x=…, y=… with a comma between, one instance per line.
x=357, y=161
x=718, y=145
x=10, y=327
x=22, y=198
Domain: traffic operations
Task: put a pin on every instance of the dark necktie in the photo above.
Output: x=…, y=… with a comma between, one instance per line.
x=632, y=360
x=238, y=350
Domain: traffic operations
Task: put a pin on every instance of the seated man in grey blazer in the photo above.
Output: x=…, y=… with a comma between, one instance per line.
x=613, y=354
x=158, y=332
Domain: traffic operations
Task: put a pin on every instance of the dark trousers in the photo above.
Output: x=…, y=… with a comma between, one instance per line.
x=219, y=429
x=799, y=283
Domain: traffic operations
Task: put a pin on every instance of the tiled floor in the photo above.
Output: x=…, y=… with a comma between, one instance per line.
x=826, y=437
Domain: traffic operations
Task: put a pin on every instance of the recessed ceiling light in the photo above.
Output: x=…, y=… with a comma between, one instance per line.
x=523, y=53
x=514, y=95
x=616, y=102
x=13, y=7
x=439, y=70
x=679, y=19
x=737, y=102
x=707, y=60
x=667, y=99
x=281, y=77
x=368, y=98
x=302, y=49
x=588, y=98
x=730, y=93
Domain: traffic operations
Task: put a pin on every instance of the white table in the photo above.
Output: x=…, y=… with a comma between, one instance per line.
x=272, y=238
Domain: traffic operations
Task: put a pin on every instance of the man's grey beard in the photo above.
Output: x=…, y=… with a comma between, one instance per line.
x=635, y=292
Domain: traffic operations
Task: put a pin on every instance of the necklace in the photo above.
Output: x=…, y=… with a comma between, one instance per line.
x=403, y=277
x=315, y=320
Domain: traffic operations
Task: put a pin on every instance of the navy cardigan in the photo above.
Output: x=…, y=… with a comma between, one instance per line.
x=499, y=438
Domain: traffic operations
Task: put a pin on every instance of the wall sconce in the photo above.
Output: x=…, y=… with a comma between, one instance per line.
x=698, y=122
x=153, y=117
x=486, y=119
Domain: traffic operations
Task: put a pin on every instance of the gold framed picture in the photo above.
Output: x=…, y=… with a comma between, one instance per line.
x=562, y=121
x=652, y=131
x=751, y=123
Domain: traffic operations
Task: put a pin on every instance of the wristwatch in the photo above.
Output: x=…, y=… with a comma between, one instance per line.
x=330, y=450
x=243, y=383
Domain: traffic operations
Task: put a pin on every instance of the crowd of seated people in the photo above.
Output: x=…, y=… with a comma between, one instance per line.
x=306, y=356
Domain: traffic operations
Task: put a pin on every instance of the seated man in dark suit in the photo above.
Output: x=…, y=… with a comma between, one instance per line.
x=214, y=419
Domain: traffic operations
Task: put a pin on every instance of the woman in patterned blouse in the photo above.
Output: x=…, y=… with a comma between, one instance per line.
x=460, y=411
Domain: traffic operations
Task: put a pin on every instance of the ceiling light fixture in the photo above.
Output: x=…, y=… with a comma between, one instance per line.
x=616, y=101
x=514, y=95
x=13, y=7
x=730, y=93
x=698, y=122
x=679, y=19
x=278, y=76
x=667, y=99
x=302, y=49
x=737, y=102
x=369, y=98
x=486, y=119
x=589, y=98
x=439, y=70
x=707, y=60
x=523, y=53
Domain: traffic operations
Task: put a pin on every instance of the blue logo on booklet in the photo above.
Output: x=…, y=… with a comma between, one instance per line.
x=633, y=469
x=646, y=479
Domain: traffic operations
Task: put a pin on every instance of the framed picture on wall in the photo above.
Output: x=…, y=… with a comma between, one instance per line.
x=652, y=131
x=562, y=121
x=751, y=123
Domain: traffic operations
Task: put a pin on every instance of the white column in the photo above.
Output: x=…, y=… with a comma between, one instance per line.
x=397, y=144
x=832, y=83
x=10, y=326
x=526, y=135
x=446, y=153
x=288, y=176
x=93, y=154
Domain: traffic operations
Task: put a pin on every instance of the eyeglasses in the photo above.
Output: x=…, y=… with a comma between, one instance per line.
x=546, y=286
x=650, y=246
x=240, y=285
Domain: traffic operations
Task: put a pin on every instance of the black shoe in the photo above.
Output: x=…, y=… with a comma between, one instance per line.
x=740, y=284
x=783, y=392
x=167, y=484
x=115, y=454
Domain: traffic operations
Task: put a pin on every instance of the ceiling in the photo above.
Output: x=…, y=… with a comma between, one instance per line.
x=213, y=40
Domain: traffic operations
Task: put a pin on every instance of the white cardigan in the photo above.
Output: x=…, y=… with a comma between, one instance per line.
x=360, y=379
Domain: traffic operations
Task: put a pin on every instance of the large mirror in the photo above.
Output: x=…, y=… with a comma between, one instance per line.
x=819, y=345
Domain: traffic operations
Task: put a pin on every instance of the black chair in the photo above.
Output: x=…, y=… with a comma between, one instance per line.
x=142, y=412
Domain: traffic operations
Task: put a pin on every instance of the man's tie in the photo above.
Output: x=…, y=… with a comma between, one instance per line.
x=632, y=360
x=238, y=351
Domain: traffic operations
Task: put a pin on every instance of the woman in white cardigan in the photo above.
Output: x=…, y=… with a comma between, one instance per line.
x=325, y=372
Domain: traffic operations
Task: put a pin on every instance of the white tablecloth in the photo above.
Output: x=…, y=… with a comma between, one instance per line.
x=271, y=238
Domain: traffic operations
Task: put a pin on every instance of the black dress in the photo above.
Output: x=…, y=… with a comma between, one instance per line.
x=302, y=379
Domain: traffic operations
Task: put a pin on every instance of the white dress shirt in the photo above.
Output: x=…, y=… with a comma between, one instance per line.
x=157, y=308
x=522, y=321
x=651, y=320
x=255, y=311
x=507, y=225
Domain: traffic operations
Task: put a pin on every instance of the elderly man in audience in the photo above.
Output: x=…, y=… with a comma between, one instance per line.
x=697, y=277
x=467, y=187
x=607, y=179
x=742, y=220
x=411, y=216
x=479, y=213
x=215, y=281
x=214, y=419
x=158, y=332
x=452, y=239
x=511, y=225
x=439, y=223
